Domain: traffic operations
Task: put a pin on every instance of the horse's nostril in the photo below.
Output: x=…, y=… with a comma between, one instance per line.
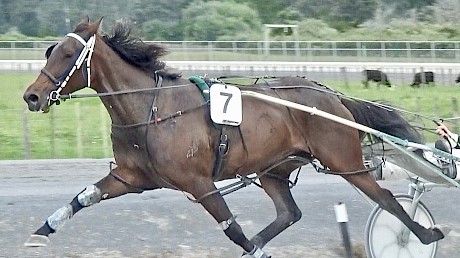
x=32, y=98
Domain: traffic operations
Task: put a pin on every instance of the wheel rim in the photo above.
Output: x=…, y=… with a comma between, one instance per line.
x=383, y=229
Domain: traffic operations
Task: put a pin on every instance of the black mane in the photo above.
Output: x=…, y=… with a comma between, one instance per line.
x=134, y=50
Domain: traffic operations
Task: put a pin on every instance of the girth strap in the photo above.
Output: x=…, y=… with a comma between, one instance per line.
x=221, y=152
x=222, y=148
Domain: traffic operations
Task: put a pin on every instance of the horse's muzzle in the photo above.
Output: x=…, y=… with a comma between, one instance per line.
x=35, y=103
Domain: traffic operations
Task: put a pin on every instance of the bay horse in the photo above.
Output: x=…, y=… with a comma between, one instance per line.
x=163, y=136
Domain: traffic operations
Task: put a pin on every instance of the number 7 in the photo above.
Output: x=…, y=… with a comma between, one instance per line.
x=229, y=96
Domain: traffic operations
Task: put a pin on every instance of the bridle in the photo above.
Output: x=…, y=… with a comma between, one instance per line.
x=84, y=55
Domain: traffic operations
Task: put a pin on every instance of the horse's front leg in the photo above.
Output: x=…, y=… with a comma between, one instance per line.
x=118, y=182
x=217, y=207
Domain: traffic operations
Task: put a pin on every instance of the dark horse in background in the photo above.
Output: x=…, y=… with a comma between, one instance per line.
x=423, y=78
x=377, y=76
x=164, y=138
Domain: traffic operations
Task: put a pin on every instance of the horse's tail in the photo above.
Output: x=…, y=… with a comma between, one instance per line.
x=383, y=119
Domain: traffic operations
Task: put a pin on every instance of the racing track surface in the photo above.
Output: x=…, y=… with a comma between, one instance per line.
x=163, y=223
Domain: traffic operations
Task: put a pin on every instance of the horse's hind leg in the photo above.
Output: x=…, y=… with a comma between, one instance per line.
x=106, y=188
x=287, y=212
x=386, y=201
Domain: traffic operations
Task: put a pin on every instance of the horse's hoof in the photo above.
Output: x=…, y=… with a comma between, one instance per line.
x=445, y=230
x=37, y=241
x=250, y=256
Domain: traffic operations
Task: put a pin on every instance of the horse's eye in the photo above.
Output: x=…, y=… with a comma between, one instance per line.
x=68, y=54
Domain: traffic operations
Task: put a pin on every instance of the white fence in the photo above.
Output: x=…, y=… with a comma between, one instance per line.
x=265, y=66
x=402, y=73
x=389, y=51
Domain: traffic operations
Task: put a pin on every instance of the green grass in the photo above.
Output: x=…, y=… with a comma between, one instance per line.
x=58, y=134
x=81, y=127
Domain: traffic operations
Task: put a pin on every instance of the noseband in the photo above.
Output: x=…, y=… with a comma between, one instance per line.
x=84, y=55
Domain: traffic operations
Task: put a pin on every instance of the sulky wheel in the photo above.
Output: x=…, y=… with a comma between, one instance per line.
x=383, y=233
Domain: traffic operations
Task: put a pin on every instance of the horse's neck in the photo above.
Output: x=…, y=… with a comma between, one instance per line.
x=112, y=74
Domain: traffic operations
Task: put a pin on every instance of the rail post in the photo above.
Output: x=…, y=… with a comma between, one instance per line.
x=78, y=131
x=25, y=133
x=343, y=72
x=105, y=138
x=52, y=133
x=455, y=112
x=342, y=218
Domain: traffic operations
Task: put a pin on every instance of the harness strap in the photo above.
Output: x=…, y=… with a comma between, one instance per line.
x=356, y=172
x=79, y=58
x=119, y=178
x=226, y=223
x=152, y=114
x=222, y=151
x=51, y=77
x=159, y=80
x=222, y=148
x=246, y=180
x=202, y=85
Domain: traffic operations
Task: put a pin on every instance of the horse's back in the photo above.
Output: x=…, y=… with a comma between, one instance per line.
x=285, y=131
x=309, y=93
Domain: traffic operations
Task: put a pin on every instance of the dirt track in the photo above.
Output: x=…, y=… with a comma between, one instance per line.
x=163, y=223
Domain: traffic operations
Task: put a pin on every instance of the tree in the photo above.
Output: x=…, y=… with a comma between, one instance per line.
x=161, y=10
x=353, y=13
x=409, y=4
x=268, y=10
x=315, y=29
x=402, y=7
x=161, y=20
x=29, y=24
x=446, y=11
x=161, y=30
x=340, y=14
x=3, y=23
x=289, y=16
x=212, y=19
x=313, y=9
x=219, y=19
x=9, y=14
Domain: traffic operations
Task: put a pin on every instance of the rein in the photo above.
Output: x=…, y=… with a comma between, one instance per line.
x=121, y=92
x=159, y=119
x=327, y=90
x=178, y=113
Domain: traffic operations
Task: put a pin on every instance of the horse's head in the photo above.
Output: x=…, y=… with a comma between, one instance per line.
x=60, y=76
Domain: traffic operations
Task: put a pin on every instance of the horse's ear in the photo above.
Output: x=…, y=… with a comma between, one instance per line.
x=99, y=21
x=85, y=19
x=93, y=27
x=49, y=50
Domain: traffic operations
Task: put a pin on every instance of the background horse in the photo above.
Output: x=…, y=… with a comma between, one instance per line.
x=377, y=76
x=163, y=136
